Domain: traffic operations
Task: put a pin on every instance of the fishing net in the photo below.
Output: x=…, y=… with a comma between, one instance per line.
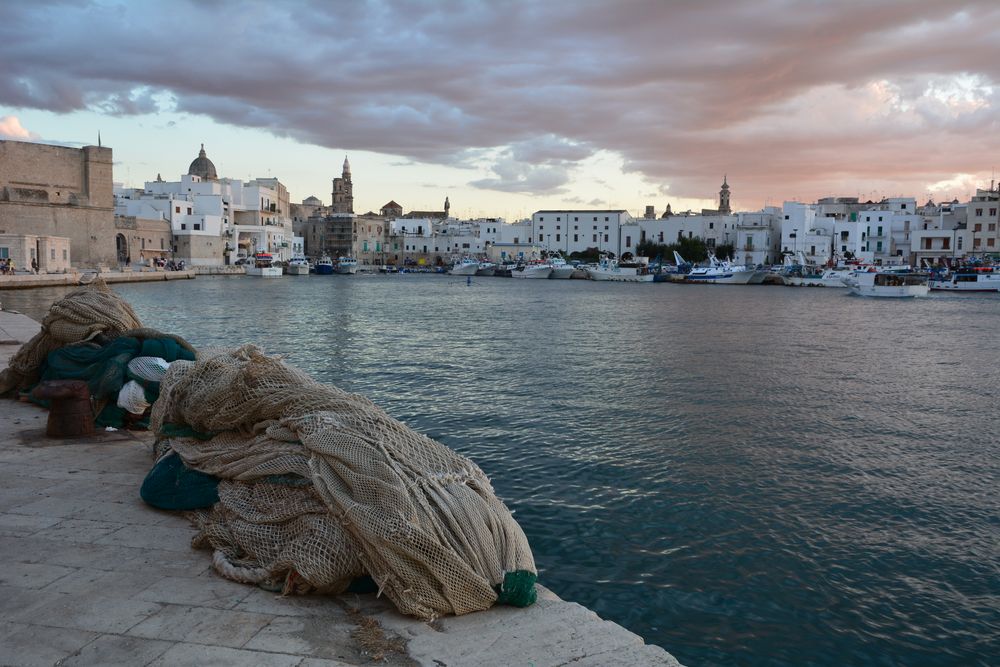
x=80, y=315
x=320, y=486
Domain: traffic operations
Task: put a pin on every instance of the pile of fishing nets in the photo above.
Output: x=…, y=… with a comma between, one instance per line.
x=294, y=485
x=92, y=334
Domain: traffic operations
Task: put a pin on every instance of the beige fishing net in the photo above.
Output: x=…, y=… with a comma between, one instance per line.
x=321, y=486
x=79, y=316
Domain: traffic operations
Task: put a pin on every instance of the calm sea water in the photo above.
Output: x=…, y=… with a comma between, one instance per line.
x=743, y=475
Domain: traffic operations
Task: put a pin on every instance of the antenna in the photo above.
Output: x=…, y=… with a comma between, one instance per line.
x=98, y=138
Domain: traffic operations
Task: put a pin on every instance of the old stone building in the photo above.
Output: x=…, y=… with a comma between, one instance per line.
x=61, y=192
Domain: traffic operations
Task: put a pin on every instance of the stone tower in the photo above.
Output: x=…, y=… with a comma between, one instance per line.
x=343, y=191
x=724, y=198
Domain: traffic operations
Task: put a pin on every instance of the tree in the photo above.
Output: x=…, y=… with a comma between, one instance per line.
x=691, y=249
x=725, y=251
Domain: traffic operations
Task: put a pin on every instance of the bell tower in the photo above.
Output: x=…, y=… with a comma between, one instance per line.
x=342, y=197
x=724, y=198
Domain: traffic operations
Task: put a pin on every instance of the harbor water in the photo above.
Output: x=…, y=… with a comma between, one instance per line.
x=745, y=475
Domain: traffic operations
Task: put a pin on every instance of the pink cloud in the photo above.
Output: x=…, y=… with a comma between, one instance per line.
x=11, y=128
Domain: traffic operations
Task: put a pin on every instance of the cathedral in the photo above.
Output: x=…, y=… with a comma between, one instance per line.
x=342, y=198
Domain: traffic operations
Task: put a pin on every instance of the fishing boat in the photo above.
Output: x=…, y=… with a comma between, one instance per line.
x=561, y=270
x=532, y=270
x=486, y=269
x=623, y=272
x=720, y=273
x=297, y=266
x=467, y=266
x=890, y=284
x=323, y=266
x=967, y=279
x=263, y=266
x=346, y=266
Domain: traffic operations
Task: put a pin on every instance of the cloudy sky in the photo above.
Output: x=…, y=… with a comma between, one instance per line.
x=509, y=107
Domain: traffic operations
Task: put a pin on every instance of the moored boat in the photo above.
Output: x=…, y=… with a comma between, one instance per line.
x=297, y=266
x=890, y=284
x=346, y=266
x=561, y=270
x=323, y=266
x=539, y=270
x=486, y=269
x=967, y=279
x=624, y=272
x=467, y=266
x=263, y=266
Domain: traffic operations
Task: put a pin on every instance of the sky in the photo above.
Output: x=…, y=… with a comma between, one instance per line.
x=508, y=107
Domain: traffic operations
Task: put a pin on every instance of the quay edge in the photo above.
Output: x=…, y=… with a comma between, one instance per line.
x=83, y=553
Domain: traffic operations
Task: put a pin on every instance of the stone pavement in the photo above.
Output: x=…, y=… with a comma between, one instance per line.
x=90, y=575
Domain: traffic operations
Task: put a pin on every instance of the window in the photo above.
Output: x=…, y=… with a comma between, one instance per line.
x=945, y=244
x=844, y=236
x=53, y=253
x=605, y=220
x=576, y=227
x=605, y=228
x=979, y=212
x=710, y=243
x=786, y=217
x=992, y=227
x=878, y=246
x=843, y=248
x=541, y=227
x=541, y=218
x=991, y=242
x=595, y=219
x=177, y=209
x=5, y=253
x=558, y=219
x=690, y=235
x=605, y=238
x=879, y=231
x=902, y=206
x=812, y=250
x=711, y=225
x=977, y=228
x=558, y=227
x=880, y=218
x=197, y=226
x=595, y=238
x=517, y=240
x=661, y=237
x=576, y=238
x=628, y=241
x=576, y=219
x=189, y=210
x=65, y=254
x=993, y=212
x=976, y=243
x=868, y=218
x=557, y=238
x=183, y=226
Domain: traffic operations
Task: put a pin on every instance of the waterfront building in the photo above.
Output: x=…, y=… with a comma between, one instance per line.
x=213, y=220
x=580, y=230
x=50, y=253
x=758, y=237
x=54, y=191
x=943, y=236
x=983, y=219
x=802, y=231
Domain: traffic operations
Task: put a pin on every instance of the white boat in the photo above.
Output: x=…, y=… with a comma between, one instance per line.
x=890, y=284
x=346, y=266
x=323, y=266
x=624, y=272
x=532, y=270
x=466, y=266
x=968, y=279
x=486, y=269
x=560, y=269
x=721, y=273
x=297, y=266
x=263, y=266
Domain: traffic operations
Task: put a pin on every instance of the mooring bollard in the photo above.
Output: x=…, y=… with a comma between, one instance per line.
x=70, y=411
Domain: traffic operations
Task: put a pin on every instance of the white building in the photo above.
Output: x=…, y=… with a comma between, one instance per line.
x=570, y=231
x=802, y=231
x=215, y=220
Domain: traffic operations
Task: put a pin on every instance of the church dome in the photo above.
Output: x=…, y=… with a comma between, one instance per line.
x=203, y=167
